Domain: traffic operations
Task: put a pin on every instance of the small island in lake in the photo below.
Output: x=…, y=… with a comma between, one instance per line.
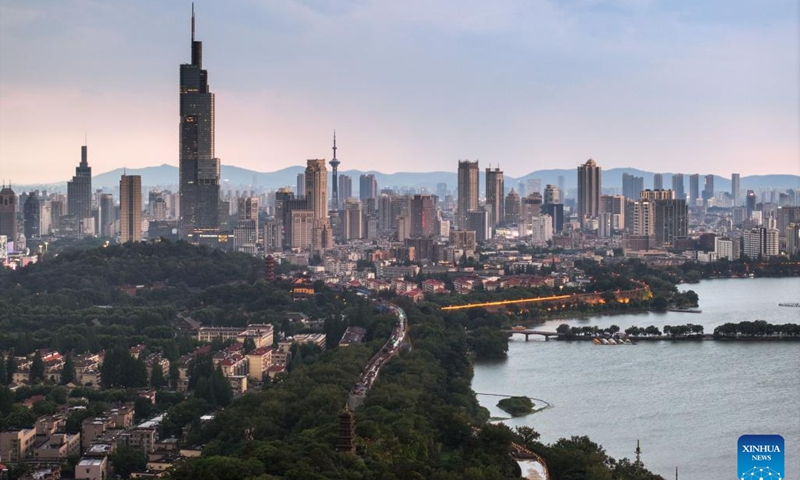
x=516, y=406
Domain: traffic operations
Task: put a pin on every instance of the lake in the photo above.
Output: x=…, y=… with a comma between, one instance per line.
x=688, y=402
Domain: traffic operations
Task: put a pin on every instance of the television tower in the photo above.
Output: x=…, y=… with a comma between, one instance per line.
x=334, y=163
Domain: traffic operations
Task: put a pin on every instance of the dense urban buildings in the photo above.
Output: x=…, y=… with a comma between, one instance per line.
x=199, y=167
x=589, y=190
x=130, y=208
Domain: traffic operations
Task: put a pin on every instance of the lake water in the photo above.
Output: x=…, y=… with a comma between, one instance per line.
x=688, y=402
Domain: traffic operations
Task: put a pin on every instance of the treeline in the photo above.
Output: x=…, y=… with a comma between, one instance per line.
x=632, y=331
x=759, y=329
x=102, y=269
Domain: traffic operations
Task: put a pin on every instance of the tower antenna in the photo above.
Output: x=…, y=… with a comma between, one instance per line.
x=192, y=21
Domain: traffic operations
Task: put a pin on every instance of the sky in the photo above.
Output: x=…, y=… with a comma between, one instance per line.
x=707, y=86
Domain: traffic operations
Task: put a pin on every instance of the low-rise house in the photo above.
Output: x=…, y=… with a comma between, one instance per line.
x=58, y=447
x=92, y=469
x=317, y=339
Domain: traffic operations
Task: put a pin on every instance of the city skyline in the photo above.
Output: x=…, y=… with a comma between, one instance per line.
x=705, y=91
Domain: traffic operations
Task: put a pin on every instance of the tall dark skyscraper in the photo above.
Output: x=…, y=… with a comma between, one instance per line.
x=708, y=189
x=8, y=213
x=694, y=189
x=678, y=185
x=589, y=189
x=79, y=190
x=32, y=215
x=495, y=195
x=199, y=168
x=750, y=203
x=334, y=163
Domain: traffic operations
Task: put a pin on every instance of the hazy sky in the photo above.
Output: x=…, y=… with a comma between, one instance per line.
x=412, y=85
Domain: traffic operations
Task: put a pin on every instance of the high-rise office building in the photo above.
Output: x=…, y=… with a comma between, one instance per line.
x=317, y=188
x=614, y=205
x=750, y=203
x=247, y=209
x=552, y=194
x=671, y=220
x=478, y=221
x=658, y=181
x=31, y=216
x=589, y=188
x=495, y=191
x=107, y=216
x=424, y=218
x=694, y=189
x=353, y=220
x=736, y=189
x=708, y=189
x=79, y=189
x=556, y=212
x=678, y=186
x=367, y=187
x=130, y=208
x=345, y=188
x=632, y=185
x=8, y=213
x=334, y=163
x=513, y=207
x=317, y=200
x=300, y=191
x=199, y=168
x=468, y=191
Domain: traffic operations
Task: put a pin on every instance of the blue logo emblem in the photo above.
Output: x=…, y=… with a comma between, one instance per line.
x=761, y=457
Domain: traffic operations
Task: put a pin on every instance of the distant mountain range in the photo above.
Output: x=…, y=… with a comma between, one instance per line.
x=242, y=178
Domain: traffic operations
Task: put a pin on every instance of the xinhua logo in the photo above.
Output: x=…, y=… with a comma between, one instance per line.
x=761, y=457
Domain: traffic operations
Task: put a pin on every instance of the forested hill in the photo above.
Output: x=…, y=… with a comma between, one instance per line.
x=101, y=269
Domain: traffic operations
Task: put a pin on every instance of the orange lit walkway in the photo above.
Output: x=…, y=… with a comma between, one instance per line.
x=507, y=302
x=621, y=296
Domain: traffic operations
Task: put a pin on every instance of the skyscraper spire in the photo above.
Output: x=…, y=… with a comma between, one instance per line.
x=192, y=22
x=334, y=144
